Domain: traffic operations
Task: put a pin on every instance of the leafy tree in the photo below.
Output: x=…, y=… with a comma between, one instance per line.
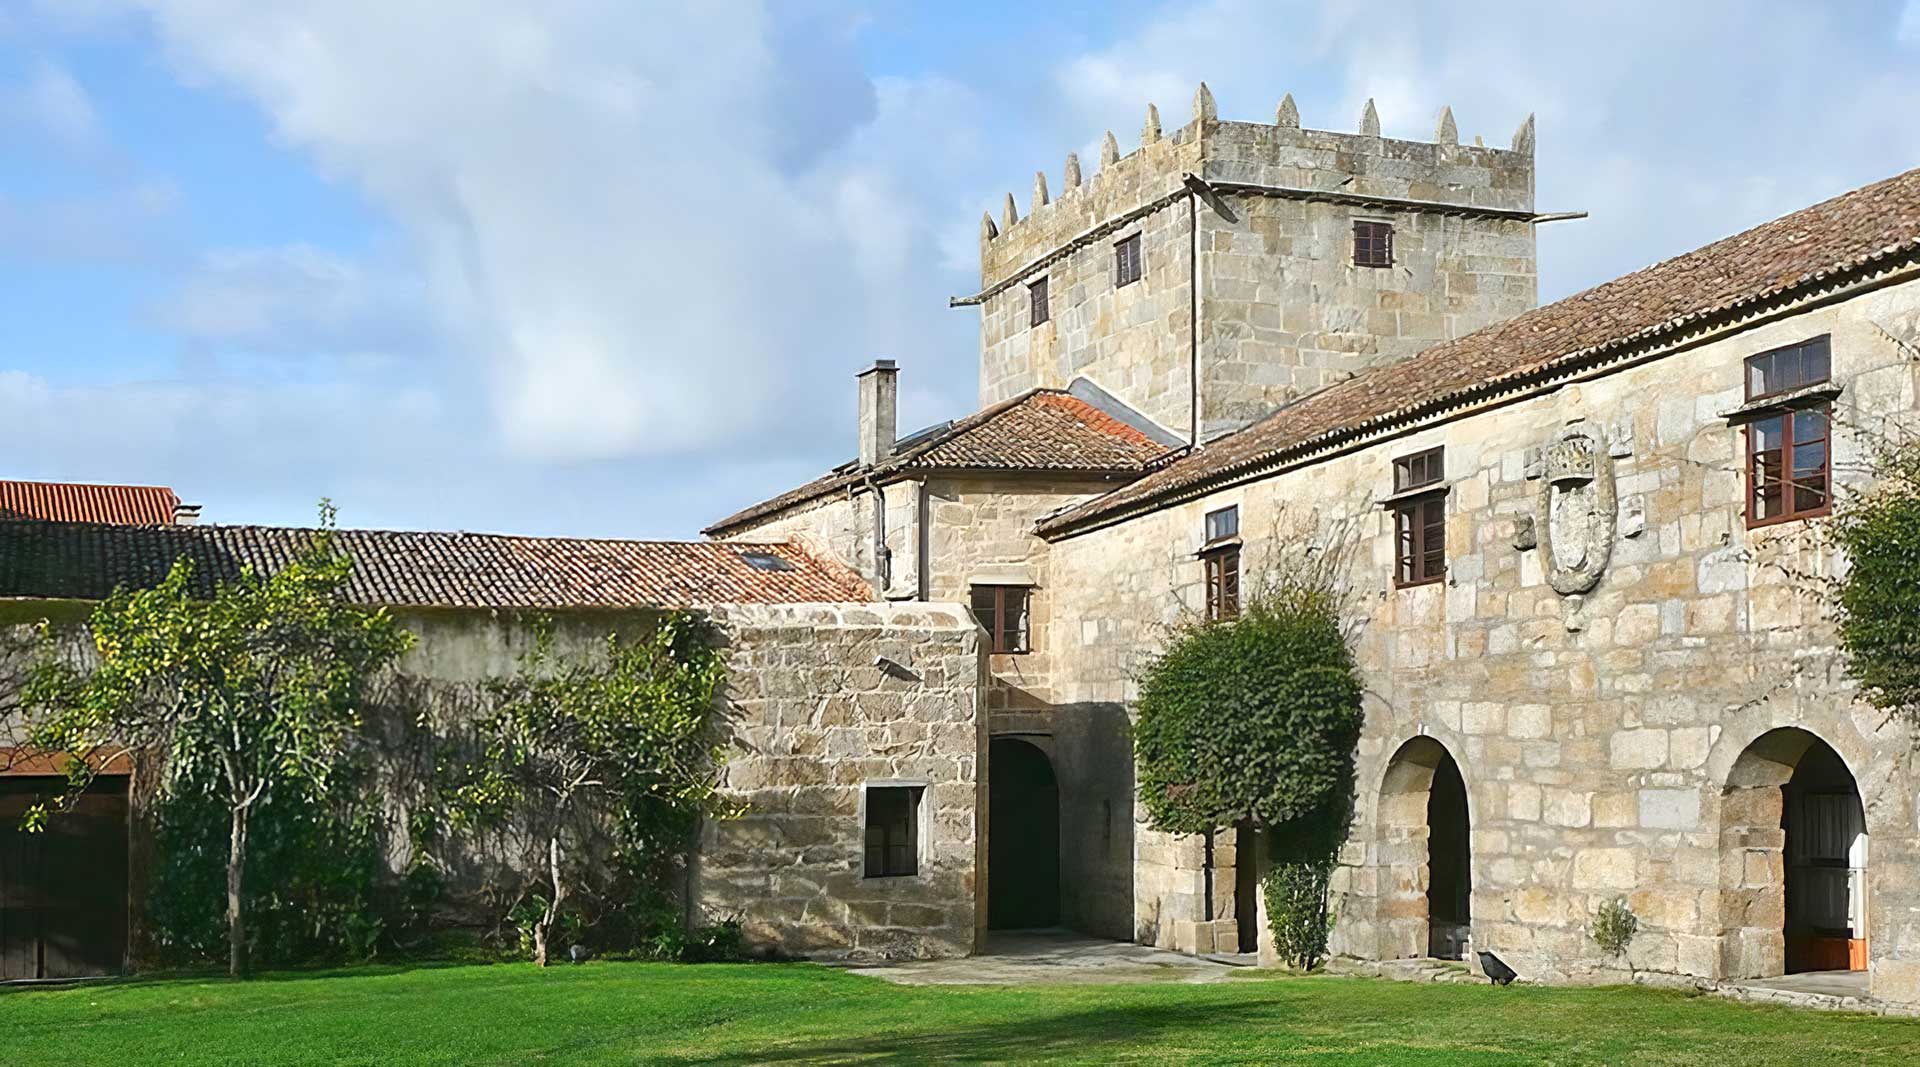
x=1250, y=719
x=1253, y=720
x=574, y=747
x=249, y=693
x=1879, y=596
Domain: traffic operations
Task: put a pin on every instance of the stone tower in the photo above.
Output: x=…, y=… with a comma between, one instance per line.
x=1272, y=260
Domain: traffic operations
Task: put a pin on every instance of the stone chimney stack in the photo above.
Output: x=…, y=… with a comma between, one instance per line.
x=879, y=411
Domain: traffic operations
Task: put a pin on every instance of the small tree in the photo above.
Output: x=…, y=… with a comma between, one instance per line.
x=1254, y=720
x=1878, y=599
x=573, y=747
x=254, y=689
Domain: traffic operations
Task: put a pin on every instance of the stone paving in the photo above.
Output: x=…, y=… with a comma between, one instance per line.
x=1060, y=957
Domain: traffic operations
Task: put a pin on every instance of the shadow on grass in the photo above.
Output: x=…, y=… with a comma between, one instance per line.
x=1079, y=1034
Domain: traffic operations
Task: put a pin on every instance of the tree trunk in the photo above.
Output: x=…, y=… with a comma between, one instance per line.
x=543, y=930
x=236, y=919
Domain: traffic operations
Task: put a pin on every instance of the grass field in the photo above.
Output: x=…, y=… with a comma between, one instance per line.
x=634, y=1013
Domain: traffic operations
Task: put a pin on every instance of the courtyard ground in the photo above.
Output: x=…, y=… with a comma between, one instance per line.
x=636, y=1013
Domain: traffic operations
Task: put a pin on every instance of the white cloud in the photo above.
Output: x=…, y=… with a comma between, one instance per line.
x=622, y=216
x=1733, y=113
x=298, y=300
x=119, y=224
x=644, y=250
x=51, y=104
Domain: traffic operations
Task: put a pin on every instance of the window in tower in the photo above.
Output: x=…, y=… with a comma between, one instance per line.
x=1372, y=244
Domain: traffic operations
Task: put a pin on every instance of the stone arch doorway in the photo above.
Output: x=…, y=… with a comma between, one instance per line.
x=1793, y=860
x=1023, y=836
x=1426, y=853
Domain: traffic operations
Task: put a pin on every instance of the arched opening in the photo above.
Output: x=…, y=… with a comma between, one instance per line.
x=1793, y=860
x=1023, y=837
x=1426, y=853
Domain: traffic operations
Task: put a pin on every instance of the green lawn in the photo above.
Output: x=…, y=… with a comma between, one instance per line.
x=633, y=1013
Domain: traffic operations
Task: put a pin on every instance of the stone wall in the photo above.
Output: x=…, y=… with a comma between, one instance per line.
x=817, y=721
x=980, y=529
x=1282, y=308
x=1607, y=741
x=812, y=722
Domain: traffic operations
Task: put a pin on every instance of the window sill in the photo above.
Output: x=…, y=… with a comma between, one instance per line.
x=891, y=879
x=1781, y=520
x=1436, y=580
x=1407, y=496
x=1224, y=544
x=1808, y=396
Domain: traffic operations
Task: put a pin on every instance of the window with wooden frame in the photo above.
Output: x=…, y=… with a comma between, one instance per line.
x=1372, y=243
x=893, y=830
x=1037, y=309
x=1003, y=610
x=1126, y=261
x=1419, y=504
x=1789, y=454
x=1220, y=555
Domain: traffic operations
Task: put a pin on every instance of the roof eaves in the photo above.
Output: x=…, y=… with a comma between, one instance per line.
x=1065, y=525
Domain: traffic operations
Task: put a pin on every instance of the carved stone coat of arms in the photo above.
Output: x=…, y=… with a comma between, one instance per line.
x=1576, y=510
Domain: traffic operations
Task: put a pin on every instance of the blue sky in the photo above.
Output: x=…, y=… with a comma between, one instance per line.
x=607, y=269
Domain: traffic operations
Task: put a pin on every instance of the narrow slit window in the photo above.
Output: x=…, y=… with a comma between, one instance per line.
x=1372, y=244
x=1037, y=309
x=893, y=831
x=1126, y=261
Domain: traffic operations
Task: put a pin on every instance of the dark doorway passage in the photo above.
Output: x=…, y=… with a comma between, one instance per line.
x=1023, y=837
x=63, y=892
x=1449, y=866
x=1246, y=886
x=1826, y=859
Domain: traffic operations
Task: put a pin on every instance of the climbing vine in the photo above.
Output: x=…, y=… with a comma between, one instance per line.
x=599, y=768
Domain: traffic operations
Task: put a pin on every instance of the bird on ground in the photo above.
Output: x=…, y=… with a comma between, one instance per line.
x=1496, y=969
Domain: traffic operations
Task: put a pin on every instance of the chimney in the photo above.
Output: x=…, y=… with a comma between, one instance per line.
x=186, y=514
x=879, y=402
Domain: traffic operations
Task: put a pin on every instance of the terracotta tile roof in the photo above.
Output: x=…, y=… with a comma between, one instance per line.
x=76, y=502
x=1041, y=430
x=1874, y=225
x=86, y=561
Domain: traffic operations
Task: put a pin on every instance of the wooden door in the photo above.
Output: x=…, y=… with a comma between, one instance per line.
x=63, y=892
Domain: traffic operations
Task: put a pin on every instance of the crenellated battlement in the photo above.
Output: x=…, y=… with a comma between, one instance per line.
x=1278, y=158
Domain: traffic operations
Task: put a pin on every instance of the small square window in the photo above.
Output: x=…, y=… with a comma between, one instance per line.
x=893, y=830
x=1003, y=611
x=1037, y=310
x=1372, y=244
x=1785, y=369
x=1223, y=524
x=1126, y=261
